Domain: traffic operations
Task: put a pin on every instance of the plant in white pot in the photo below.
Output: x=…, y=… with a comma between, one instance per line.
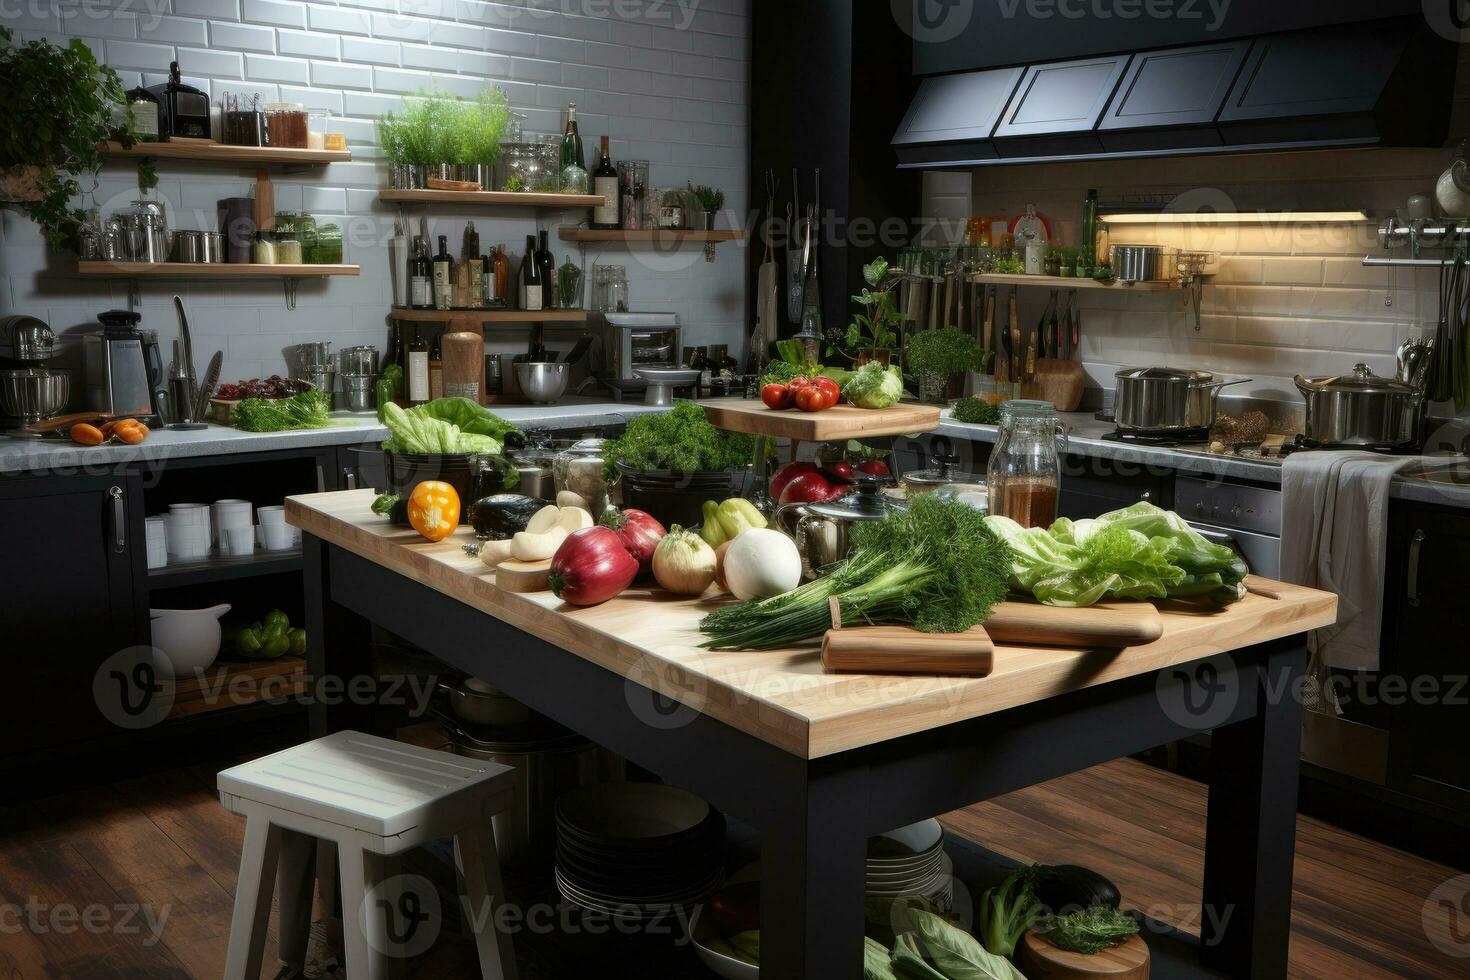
x=709, y=201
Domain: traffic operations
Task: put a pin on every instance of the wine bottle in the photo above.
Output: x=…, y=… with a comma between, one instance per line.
x=546, y=269
x=443, y=276
x=436, y=370
x=472, y=268
x=605, y=185
x=420, y=294
x=571, y=142
x=531, y=285
x=418, y=370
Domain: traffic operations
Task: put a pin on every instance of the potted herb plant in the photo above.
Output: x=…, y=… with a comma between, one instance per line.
x=874, y=333
x=939, y=360
x=710, y=201
x=65, y=106
x=409, y=140
x=475, y=128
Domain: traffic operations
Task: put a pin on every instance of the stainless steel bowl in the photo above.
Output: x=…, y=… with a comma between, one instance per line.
x=1144, y=263
x=33, y=394
x=542, y=383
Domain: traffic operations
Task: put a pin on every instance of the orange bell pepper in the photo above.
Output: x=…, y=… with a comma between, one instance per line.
x=433, y=509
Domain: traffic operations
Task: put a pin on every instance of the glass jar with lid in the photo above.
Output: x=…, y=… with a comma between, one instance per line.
x=521, y=167
x=285, y=125
x=549, y=174
x=946, y=471
x=616, y=295
x=580, y=469
x=1024, y=474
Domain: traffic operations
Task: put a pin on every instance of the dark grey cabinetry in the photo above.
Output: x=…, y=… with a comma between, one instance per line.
x=1425, y=650
x=1057, y=106
x=1171, y=97
x=69, y=601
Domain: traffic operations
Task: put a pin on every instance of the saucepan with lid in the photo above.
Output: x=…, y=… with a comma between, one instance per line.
x=1362, y=410
x=1163, y=400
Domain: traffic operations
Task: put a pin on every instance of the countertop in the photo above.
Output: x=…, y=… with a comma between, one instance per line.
x=61, y=456
x=783, y=697
x=1431, y=479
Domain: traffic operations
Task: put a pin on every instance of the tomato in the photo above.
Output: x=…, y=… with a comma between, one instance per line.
x=796, y=384
x=828, y=385
x=433, y=509
x=815, y=398
x=777, y=396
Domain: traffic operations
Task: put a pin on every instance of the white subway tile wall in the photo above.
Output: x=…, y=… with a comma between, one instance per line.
x=668, y=82
x=1287, y=298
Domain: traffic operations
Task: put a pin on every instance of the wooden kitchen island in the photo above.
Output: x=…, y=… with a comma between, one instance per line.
x=817, y=762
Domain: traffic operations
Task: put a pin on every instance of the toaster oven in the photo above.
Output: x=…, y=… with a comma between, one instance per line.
x=633, y=340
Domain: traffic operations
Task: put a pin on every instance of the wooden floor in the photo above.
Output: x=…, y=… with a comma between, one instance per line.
x=164, y=844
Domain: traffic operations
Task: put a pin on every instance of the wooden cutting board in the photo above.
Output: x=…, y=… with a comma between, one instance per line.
x=838, y=422
x=524, y=576
x=901, y=650
x=1040, y=960
x=1114, y=624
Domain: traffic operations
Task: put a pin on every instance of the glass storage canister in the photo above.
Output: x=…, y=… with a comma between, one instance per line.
x=616, y=291
x=1024, y=474
x=327, y=248
x=522, y=167
x=285, y=124
x=580, y=470
x=548, y=152
x=633, y=186
x=301, y=227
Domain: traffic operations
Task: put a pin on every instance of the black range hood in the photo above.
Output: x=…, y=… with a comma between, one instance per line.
x=1372, y=83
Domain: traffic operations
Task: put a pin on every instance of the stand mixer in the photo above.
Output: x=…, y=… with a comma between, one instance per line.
x=30, y=390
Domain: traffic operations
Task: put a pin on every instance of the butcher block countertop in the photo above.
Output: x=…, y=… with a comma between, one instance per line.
x=783, y=697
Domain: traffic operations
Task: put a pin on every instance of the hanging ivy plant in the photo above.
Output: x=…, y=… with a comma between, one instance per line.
x=61, y=107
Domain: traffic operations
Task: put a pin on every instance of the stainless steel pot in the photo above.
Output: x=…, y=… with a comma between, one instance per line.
x=1144, y=263
x=548, y=761
x=822, y=531
x=33, y=394
x=1163, y=400
x=480, y=703
x=1363, y=410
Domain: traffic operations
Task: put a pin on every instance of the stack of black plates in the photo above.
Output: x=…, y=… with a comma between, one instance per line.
x=637, y=850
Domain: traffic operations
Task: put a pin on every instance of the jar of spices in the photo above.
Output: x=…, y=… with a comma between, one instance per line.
x=263, y=249
x=285, y=124
x=316, y=129
x=288, y=248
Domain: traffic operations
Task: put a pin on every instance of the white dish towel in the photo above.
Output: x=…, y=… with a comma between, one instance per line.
x=1334, y=535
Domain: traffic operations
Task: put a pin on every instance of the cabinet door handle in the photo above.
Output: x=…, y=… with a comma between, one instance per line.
x=349, y=477
x=321, y=479
x=1413, y=577
x=119, y=521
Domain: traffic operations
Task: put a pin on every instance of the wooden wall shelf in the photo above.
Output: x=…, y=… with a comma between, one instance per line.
x=660, y=236
x=1068, y=282
x=490, y=197
x=209, y=150
x=210, y=270
x=412, y=315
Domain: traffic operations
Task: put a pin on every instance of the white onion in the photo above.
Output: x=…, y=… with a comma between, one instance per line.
x=762, y=562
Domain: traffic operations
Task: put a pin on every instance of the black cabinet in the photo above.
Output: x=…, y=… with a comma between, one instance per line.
x=1425, y=651
x=954, y=110
x=1093, y=486
x=69, y=602
x=1057, y=106
x=1170, y=98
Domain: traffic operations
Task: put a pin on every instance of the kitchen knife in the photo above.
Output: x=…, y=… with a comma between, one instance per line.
x=188, y=349
x=988, y=327
x=206, y=387
x=1014, y=343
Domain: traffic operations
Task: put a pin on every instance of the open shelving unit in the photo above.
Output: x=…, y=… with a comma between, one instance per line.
x=230, y=685
x=414, y=315
x=209, y=151
x=222, y=569
x=1068, y=282
x=658, y=236
x=133, y=271
x=502, y=198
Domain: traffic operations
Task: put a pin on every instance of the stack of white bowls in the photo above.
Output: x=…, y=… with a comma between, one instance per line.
x=157, y=528
x=910, y=863
x=189, y=532
x=274, y=534
x=234, y=528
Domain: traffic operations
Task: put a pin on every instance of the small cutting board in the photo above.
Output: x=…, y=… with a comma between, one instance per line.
x=1116, y=624
x=901, y=650
x=1040, y=960
x=523, y=576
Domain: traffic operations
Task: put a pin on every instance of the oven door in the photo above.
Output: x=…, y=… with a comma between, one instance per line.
x=653, y=348
x=1261, y=552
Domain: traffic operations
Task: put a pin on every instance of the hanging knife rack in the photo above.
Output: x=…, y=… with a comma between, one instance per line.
x=1417, y=235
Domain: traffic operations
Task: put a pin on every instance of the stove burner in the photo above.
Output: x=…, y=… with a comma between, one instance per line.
x=1180, y=437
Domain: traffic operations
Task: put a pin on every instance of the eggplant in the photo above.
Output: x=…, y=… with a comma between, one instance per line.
x=504, y=515
x=1065, y=888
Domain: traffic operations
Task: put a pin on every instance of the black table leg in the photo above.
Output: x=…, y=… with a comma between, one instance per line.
x=339, y=653
x=1250, y=832
x=812, y=870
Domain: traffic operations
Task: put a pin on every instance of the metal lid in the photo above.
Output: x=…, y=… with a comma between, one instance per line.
x=1362, y=381
x=865, y=505
x=1163, y=374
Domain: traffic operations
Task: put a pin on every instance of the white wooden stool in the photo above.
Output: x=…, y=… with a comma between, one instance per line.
x=373, y=798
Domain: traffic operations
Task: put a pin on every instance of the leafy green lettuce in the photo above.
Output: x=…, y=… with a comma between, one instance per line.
x=1139, y=552
x=418, y=431
x=873, y=386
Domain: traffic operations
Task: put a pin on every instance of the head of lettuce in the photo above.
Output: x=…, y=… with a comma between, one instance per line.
x=874, y=386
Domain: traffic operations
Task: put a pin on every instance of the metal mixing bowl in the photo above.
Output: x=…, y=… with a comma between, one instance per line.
x=542, y=383
x=33, y=394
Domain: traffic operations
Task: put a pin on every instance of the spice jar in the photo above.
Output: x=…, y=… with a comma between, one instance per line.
x=1024, y=474
x=285, y=124
x=263, y=249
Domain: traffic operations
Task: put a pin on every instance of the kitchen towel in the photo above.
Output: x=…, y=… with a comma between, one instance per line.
x=1334, y=534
